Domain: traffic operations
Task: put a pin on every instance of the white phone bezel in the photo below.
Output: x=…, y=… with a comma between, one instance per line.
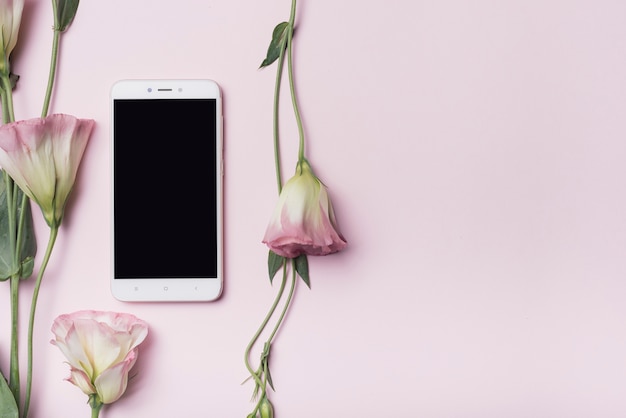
x=178, y=289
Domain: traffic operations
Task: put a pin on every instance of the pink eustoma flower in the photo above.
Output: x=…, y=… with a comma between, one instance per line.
x=101, y=348
x=303, y=221
x=42, y=156
x=10, y=18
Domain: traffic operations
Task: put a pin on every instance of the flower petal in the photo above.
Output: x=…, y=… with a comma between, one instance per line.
x=303, y=221
x=79, y=378
x=42, y=156
x=111, y=383
x=101, y=348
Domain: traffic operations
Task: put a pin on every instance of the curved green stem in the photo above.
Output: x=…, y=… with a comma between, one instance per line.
x=54, y=230
x=287, y=302
x=279, y=74
x=264, y=365
x=263, y=325
x=52, y=73
x=292, y=86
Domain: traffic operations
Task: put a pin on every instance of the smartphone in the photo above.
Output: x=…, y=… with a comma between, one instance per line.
x=166, y=153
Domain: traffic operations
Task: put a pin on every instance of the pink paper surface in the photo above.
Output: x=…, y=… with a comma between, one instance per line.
x=474, y=152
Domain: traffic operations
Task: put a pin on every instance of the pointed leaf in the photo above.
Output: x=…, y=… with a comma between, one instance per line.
x=265, y=361
x=268, y=375
x=277, y=45
x=65, y=13
x=301, y=264
x=29, y=242
x=8, y=407
x=274, y=263
x=14, y=78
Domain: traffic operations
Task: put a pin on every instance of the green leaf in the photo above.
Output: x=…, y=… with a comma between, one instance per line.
x=274, y=263
x=269, y=378
x=277, y=45
x=29, y=243
x=301, y=264
x=8, y=407
x=65, y=13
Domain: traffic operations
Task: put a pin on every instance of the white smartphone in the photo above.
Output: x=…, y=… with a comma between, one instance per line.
x=166, y=152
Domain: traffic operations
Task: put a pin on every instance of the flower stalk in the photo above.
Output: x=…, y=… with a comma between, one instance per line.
x=11, y=194
x=52, y=73
x=31, y=166
x=303, y=222
x=54, y=231
x=292, y=85
x=95, y=405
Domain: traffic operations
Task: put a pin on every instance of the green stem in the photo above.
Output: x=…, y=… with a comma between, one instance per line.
x=95, y=410
x=10, y=190
x=14, y=382
x=11, y=208
x=279, y=74
x=263, y=325
x=8, y=114
x=95, y=405
x=54, y=230
x=264, y=366
x=14, y=371
x=5, y=107
x=287, y=302
x=292, y=86
x=52, y=72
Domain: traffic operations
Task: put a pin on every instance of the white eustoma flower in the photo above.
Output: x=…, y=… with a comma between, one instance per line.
x=42, y=156
x=101, y=348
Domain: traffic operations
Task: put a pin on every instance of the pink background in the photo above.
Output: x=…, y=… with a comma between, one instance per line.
x=475, y=156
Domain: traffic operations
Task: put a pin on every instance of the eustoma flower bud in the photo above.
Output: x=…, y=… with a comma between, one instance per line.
x=303, y=221
x=10, y=18
x=266, y=409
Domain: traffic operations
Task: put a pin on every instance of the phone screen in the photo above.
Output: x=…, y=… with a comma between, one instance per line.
x=165, y=188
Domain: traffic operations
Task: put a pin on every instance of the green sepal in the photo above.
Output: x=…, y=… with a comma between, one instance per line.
x=301, y=264
x=95, y=404
x=13, y=78
x=65, y=13
x=29, y=243
x=8, y=406
x=274, y=263
x=28, y=265
x=277, y=45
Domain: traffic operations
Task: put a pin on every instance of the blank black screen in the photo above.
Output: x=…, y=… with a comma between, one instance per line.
x=165, y=188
